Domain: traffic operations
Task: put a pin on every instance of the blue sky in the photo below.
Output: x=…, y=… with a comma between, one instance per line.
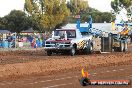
x=7, y=5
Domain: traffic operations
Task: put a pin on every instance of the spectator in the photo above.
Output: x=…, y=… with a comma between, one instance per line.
x=130, y=36
x=33, y=44
x=9, y=39
x=40, y=42
x=125, y=30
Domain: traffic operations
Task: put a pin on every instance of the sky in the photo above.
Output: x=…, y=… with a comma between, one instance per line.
x=7, y=5
x=101, y=5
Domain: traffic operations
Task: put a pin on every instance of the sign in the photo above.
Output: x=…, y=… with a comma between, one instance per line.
x=77, y=16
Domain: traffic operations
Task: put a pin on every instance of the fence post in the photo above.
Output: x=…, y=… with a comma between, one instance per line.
x=15, y=40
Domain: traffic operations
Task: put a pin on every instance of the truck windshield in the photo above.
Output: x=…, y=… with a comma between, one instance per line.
x=61, y=33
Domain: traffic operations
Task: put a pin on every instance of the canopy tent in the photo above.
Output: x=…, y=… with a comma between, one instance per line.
x=30, y=30
x=4, y=32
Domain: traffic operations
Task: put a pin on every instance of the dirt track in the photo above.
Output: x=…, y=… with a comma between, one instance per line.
x=22, y=56
x=16, y=64
x=71, y=79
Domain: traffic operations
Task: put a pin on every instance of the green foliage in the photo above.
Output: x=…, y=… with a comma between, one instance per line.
x=77, y=6
x=101, y=17
x=118, y=4
x=98, y=17
x=47, y=13
x=2, y=23
x=16, y=21
x=114, y=5
x=125, y=3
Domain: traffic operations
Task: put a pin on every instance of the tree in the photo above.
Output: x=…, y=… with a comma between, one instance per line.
x=114, y=5
x=98, y=17
x=117, y=5
x=77, y=6
x=2, y=23
x=16, y=21
x=47, y=13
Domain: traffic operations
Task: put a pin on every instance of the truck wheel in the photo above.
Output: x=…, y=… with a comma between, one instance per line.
x=72, y=51
x=121, y=46
x=49, y=53
x=116, y=49
x=88, y=49
x=91, y=49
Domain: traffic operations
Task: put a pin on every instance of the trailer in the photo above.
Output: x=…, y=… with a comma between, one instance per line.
x=117, y=40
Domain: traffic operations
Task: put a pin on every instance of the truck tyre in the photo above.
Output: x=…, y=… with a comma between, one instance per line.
x=121, y=46
x=116, y=49
x=91, y=49
x=88, y=49
x=72, y=51
x=49, y=53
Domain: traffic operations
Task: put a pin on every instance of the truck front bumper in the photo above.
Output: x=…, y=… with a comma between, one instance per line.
x=57, y=48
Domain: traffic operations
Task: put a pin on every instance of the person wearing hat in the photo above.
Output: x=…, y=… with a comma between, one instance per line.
x=125, y=30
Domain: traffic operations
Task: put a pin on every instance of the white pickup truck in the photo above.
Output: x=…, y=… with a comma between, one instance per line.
x=69, y=41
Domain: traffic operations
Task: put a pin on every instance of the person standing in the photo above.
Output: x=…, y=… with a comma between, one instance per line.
x=33, y=42
x=125, y=30
x=130, y=33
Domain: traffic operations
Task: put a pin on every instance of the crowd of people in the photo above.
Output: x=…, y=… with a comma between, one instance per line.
x=23, y=40
x=8, y=41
